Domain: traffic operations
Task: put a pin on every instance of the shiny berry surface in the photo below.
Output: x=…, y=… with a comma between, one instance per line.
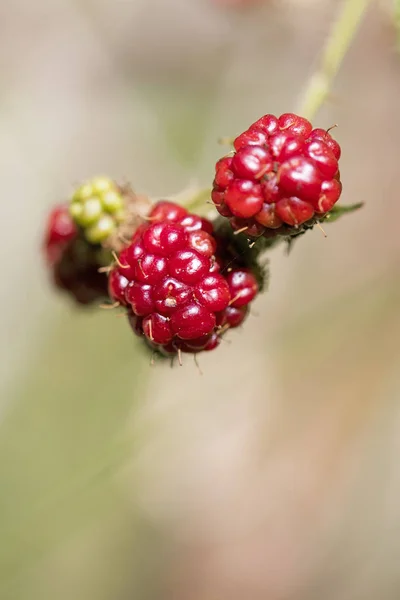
x=243, y=287
x=60, y=226
x=174, y=282
x=282, y=174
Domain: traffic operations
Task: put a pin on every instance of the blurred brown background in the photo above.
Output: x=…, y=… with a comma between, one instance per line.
x=275, y=474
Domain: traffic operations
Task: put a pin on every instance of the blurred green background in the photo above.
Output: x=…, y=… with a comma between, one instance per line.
x=275, y=474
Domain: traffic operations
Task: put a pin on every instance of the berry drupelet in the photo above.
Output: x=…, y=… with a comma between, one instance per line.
x=179, y=296
x=73, y=262
x=282, y=174
x=97, y=207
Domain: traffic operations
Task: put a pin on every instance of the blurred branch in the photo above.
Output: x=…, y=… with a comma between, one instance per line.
x=397, y=20
x=343, y=31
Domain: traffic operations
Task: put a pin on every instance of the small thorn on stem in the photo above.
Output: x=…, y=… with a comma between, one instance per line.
x=241, y=230
x=252, y=244
x=109, y=306
x=322, y=229
x=332, y=127
x=107, y=269
x=223, y=329
x=123, y=314
x=151, y=330
x=196, y=362
x=119, y=263
x=238, y=295
x=180, y=357
x=153, y=358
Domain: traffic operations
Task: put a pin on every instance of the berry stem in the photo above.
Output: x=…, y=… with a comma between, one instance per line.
x=339, y=40
x=397, y=20
x=197, y=202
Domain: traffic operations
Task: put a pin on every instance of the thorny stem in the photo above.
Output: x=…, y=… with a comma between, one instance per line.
x=339, y=40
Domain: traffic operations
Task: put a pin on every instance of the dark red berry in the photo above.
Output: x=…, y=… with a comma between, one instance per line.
x=251, y=137
x=323, y=157
x=244, y=198
x=192, y=321
x=295, y=124
x=171, y=294
x=60, y=226
x=117, y=284
x=268, y=124
x=192, y=223
x=243, y=287
x=126, y=264
x=151, y=268
x=251, y=162
x=167, y=211
x=282, y=162
x=172, y=277
x=232, y=316
x=202, y=242
x=270, y=190
x=224, y=174
x=74, y=263
x=213, y=292
x=267, y=217
x=164, y=238
x=285, y=145
x=294, y=211
x=157, y=328
x=189, y=266
x=300, y=177
x=330, y=192
x=140, y=297
x=324, y=136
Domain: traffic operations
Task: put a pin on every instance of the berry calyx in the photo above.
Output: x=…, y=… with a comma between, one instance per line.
x=283, y=174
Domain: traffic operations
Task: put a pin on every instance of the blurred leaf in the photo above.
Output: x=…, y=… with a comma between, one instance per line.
x=62, y=439
x=338, y=210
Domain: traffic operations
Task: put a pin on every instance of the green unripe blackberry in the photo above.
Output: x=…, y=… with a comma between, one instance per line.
x=97, y=207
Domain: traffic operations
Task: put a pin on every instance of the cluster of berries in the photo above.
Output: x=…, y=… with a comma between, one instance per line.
x=180, y=294
x=282, y=174
x=183, y=280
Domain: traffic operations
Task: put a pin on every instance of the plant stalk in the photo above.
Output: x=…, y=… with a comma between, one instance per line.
x=342, y=34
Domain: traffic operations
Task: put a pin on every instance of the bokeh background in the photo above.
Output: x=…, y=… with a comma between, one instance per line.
x=275, y=473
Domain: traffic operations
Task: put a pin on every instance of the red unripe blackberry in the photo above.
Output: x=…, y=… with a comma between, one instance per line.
x=232, y=316
x=244, y=198
x=243, y=287
x=282, y=174
x=167, y=211
x=117, y=284
x=60, y=226
x=73, y=262
x=175, y=286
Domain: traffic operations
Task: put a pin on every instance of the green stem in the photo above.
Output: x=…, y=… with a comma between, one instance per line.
x=339, y=40
x=198, y=202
